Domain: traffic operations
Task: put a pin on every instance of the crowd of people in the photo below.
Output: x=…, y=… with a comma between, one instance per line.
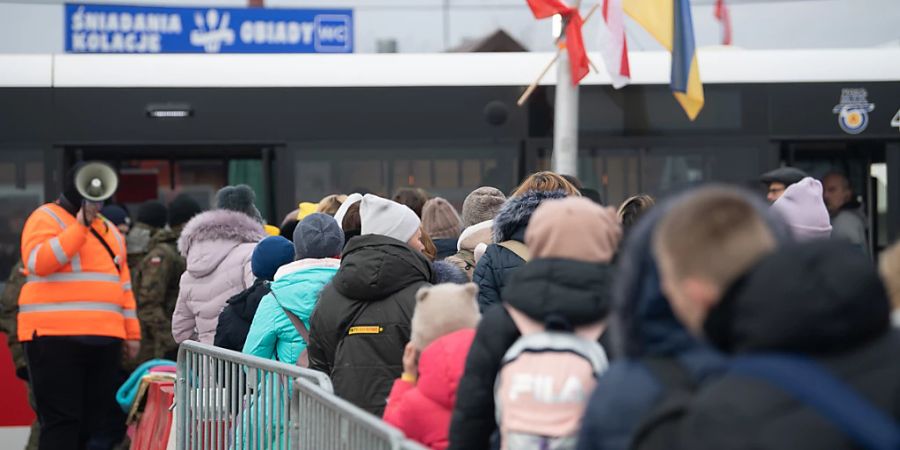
x=539, y=320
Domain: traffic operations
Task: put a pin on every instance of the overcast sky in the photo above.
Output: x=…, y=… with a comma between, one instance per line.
x=422, y=25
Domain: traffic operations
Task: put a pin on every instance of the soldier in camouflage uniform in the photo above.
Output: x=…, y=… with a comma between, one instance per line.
x=151, y=219
x=155, y=282
x=9, y=308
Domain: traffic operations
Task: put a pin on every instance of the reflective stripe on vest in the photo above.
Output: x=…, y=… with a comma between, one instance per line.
x=54, y=216
x=78, y=306
x=76, y=263
x=32, y=258
x=58, y=252
x=126, y=287
x=73, y=276
x=115, y=233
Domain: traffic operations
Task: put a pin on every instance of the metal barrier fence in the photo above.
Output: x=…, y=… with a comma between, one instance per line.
x=324, y=421
x=228, y=400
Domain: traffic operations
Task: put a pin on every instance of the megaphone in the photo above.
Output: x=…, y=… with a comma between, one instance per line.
x=96, y=181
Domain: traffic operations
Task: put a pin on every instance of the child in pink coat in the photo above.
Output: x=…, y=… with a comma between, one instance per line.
x=443, y=327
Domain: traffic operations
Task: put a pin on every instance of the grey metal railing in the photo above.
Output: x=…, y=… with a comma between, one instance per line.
x=228, y=400
x=323, y=421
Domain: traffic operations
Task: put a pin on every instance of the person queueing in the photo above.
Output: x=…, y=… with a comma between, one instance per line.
x=76, y=316
x=217, y=246
x=361, y=324
x=443, y=327
x=280, y=327
x=156, y=280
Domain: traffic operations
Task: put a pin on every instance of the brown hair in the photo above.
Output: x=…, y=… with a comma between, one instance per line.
x=633, y=209
x=352, y=221
x=330, y=204
x=545, y=182
x=414, y=198
x=716, y=233
x=889, y=267
x=430, y=251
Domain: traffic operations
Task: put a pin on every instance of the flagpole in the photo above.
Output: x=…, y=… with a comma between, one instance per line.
x=565, y=123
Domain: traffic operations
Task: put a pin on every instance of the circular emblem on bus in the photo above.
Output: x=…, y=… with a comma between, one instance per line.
x=853, y=120
x=853, y=110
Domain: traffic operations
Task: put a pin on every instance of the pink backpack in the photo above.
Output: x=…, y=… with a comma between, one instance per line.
x=544, y=383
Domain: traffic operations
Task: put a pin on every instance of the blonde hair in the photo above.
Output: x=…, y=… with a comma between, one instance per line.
x=545, y=182
x=330, y=204
x=889, y=268
x=716, y=234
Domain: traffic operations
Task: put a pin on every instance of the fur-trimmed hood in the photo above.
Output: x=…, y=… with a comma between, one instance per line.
x=209, y=237
x=222, y=225
x=515, y=214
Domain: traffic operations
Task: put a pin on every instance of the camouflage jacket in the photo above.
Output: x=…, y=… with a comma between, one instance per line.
x=9, y=309
x=138, y=243
x=155, y=282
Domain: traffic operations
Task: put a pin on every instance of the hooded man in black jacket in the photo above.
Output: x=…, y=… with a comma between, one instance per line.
x=819, y=299
x=361, y=324
x=567, y=283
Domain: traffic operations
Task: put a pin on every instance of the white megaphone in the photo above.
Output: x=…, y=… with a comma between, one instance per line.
x=96, y=181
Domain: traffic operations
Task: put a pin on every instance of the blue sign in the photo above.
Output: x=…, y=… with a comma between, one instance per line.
x=146, y=29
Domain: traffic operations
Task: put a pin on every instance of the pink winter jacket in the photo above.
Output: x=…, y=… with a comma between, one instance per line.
x=423, y=411
x=217, y=245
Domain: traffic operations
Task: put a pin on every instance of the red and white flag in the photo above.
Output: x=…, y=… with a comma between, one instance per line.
x=613, y=44
x=723, y=16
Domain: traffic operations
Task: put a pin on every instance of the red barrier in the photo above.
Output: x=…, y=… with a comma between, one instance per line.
x=156, y=422
x=16, y=412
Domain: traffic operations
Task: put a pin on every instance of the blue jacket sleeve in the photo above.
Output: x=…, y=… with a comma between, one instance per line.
x=262, y=336
x=485, y=277
x=624, y=396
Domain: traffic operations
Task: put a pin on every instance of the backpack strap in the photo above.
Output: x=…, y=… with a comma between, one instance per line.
x=812, y=384
x=518, y=248
x=303, y=360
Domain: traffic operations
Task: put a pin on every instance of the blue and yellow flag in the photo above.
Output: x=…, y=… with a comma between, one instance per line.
x=669, y=21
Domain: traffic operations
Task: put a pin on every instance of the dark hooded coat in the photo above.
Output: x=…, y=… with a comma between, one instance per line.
x=361, y=324
x=819, y=299
x=498, y=263
x=646, y=335
x=236, y=318
x=644, y=328
x=575, y=291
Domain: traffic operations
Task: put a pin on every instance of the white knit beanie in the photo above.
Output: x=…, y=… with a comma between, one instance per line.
x=387, y=218
x=342, y=210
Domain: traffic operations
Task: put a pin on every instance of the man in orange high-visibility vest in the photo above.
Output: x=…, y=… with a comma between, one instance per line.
x=76, y=317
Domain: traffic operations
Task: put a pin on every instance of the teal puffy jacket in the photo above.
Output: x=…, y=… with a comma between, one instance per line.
x=297, y=287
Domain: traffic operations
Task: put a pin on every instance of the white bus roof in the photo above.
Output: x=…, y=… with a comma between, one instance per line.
x=717, y=65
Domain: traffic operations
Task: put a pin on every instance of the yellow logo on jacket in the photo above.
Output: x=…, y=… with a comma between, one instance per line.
x=369, y=329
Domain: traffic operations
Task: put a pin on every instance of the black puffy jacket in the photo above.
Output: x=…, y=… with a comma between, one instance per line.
x=498, y=263
x=576, y=291
x=361, y=324
x=823, y=300
x=235, y=319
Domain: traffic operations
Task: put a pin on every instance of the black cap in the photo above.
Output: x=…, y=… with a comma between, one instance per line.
x=785, y=175
x=182, y=209
x=152, y=213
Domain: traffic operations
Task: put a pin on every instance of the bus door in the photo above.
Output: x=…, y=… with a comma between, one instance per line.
x=864, y=165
